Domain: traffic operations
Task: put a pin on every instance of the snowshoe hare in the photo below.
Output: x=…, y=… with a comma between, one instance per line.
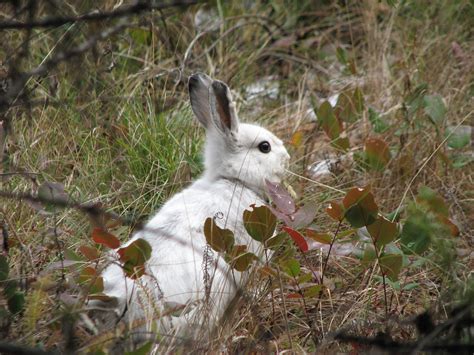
x=238, y=159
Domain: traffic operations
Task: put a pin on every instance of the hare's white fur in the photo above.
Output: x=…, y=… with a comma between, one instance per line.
x=176, y=275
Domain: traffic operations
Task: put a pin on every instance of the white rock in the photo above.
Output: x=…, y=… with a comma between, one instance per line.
x=265, y=87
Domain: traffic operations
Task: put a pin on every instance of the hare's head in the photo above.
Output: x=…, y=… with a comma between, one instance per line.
x=236, y=151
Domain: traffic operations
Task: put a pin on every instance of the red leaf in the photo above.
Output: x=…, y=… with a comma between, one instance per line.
x=335, y=211
x=89, y=252
x=297, y=238
x=294, y=295
x=102, y=237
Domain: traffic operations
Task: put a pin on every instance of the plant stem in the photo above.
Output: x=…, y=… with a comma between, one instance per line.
x=329, y=251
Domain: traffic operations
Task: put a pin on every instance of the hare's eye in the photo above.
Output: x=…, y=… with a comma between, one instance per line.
x=265, y=147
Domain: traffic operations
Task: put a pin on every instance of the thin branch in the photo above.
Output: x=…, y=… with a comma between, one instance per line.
x=323, y=271
x=137, y=8
x=92, y=210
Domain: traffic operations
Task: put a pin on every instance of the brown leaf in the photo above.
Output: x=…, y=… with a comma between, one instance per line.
x=102, y=237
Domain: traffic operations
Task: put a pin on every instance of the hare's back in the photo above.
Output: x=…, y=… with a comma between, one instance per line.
x=184, y=215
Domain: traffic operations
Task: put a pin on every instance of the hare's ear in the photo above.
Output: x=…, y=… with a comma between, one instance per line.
x=198, y=86
x=222, y=107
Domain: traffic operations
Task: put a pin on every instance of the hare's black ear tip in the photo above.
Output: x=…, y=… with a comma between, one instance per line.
x=197, y=79
x=193, y=80
x=219, y=86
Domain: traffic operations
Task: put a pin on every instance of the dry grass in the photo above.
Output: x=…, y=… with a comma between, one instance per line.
x=114, y=127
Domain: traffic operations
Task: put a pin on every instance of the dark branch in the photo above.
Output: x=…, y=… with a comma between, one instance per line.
x=138, y=7
x=92, y=210
x=388, y=344
x=434, y=340
x=9, y=348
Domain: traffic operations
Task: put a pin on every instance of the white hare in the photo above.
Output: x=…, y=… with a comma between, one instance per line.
x=238, y=159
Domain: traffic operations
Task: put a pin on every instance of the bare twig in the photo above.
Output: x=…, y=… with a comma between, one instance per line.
x=433, y=341
x=137, y=8
x=385, y=343
x=323, y=271
x=93, y=210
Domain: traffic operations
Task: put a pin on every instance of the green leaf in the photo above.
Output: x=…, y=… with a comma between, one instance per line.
x=16, y=302
x=378, y=124
x=377, y=153
x=69, y=254
x=416, y=236
x=292, y=267
x=341, y=143
x=328, y=120
x=432, y=200
x=312, y=291
x=369, y=255
x=461, y=160
x=393, y=284
x=242, y=261
x=382, y=231
x=411, y=286
x=414, y=101
x=221, y=240
x=435, y=109
x=341, y=55
x=260, y=223
x=358, y=98
x=361, y=209
x=324, y=238
x=459, y=137
x=91, y=279
x=346, y=108
x=303, y=278
x=140, y=35
x=276, y=241
x=97, y=286
x=134, y=257
x=391, y=264
x=4, y=268
x=10, y=288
